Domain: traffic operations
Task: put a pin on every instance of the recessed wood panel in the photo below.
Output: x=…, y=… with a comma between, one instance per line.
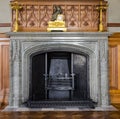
x=4, y=68
x=114, y=67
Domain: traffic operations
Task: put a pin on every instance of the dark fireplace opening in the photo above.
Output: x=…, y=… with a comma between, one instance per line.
x=59, y=79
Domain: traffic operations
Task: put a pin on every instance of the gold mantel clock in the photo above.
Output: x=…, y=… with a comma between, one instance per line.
x=57, y=22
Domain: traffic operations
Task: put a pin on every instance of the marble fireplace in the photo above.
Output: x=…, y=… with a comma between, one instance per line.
x=90, y=45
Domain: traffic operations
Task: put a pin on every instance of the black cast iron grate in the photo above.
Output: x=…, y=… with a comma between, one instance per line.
x=60, y=104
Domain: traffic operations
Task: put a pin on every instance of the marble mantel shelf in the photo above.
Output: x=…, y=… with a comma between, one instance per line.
x=65, y=34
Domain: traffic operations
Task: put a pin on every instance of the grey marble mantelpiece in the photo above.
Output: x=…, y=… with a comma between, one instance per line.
x=24, y=44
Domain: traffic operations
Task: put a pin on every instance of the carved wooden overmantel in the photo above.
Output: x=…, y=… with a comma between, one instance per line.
x=80, y=15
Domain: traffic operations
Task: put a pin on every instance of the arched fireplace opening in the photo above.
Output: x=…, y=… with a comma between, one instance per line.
x=59, y=78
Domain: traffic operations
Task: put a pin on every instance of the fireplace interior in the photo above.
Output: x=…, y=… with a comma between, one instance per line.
x=59, y=78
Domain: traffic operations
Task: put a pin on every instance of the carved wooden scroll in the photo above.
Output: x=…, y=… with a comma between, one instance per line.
x=80, y=15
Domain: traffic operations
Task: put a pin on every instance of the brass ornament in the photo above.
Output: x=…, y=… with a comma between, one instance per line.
x=15, y=6
x=101, y=7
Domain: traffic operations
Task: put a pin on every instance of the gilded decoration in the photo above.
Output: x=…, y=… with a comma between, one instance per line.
x=57, y=22
x=16, y=7
x=101, y=7
x=79, y=15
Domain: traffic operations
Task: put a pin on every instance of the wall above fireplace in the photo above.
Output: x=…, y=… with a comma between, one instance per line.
x=25, y=44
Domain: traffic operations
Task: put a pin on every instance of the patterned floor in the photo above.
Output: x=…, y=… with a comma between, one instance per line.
x=63, y=114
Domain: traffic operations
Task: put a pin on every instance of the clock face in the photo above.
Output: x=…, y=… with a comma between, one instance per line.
x=60, y=17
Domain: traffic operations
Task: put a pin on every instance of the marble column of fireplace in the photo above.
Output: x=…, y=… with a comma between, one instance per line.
x=23, y=44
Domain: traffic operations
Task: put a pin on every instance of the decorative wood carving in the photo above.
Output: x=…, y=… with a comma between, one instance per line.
x=79, y=15
x=114, y=67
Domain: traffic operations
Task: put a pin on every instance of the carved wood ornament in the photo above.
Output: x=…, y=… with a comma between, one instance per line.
x=80, y=15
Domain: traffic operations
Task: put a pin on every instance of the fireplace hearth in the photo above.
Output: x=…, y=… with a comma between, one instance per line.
x=59, y=69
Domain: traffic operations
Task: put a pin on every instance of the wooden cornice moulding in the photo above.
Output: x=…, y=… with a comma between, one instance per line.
x=3, y=35
x=59, y=2
x=56, y=0
x=113, y=24
x=5, y=24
